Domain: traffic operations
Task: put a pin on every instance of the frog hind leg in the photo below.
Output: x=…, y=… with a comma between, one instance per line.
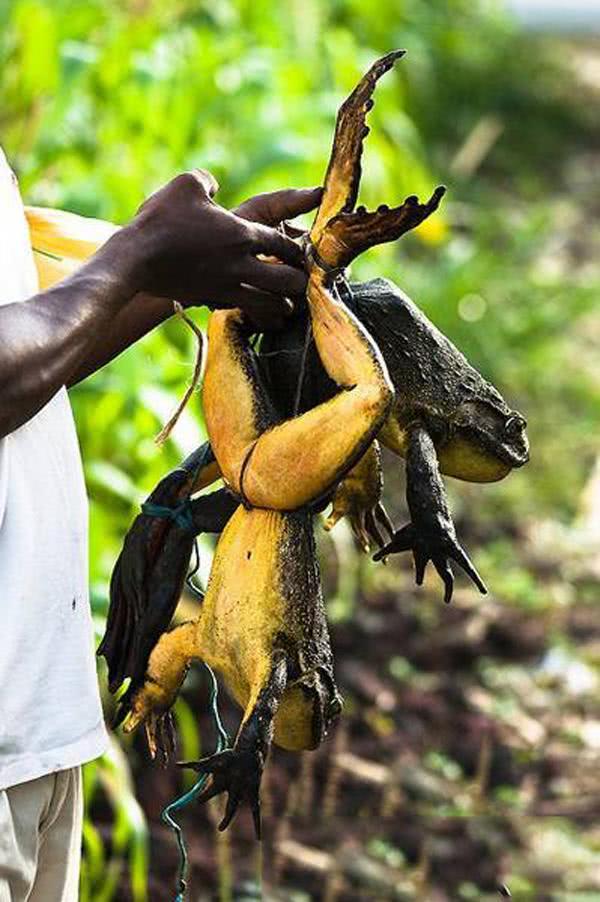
x=148, y=576
x=338, y=235
x=150, y=702
x=238, y=771
x=289, y=465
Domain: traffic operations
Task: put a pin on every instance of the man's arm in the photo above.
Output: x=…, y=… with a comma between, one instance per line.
x=134, y=320
x=44, y=339
x=180, y=245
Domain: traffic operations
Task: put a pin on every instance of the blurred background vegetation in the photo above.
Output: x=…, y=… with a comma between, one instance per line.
x=469, y=752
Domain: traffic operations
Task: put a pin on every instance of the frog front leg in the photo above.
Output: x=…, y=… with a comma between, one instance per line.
x=238, y=771
x=358, y=497
x=149, y=700
x=430, y=535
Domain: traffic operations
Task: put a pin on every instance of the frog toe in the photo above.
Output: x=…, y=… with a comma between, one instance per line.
x=383, y=518
x=402, y=540
x=236, y=772
x=440, y=547
x=445, y=573
x=461, y=557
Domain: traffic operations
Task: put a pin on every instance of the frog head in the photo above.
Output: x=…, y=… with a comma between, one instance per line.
x=477, y=435
x=484, y=441
x=478, y=439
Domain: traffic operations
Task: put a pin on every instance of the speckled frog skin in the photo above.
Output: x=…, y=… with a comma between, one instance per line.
x=292, y=427
x=478, y=438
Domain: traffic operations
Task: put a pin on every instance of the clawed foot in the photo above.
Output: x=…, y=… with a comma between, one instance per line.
x=158, y=723
x=437, y=547
x=237, y=772
x=161, y=737
x=358, y=497
x=367, y=525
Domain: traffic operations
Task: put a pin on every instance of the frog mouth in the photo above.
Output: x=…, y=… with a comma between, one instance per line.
x=515, y=458
x=514, y=454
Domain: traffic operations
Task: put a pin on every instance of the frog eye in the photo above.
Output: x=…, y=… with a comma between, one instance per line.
x=334, y=709
x=515, y=424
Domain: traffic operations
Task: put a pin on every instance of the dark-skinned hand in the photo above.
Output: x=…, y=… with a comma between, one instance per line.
x=196, y=251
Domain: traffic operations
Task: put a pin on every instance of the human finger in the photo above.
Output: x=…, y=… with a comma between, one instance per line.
x=275, y=277
x=272, y=207
x=268, y=241
x=206, y=180
x=266, y=311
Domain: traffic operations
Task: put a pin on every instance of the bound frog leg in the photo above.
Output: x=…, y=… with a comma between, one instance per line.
x=150, y=699
x=430, y=535
x=358, y=497
x=164, y=530
x=286, y=466
x=147, y=582
x=343, y=173
x=142, y=626
x=238, y=771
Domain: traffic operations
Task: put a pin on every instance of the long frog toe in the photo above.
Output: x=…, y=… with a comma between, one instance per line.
x=376, y=520
x=402, y=540
x=236, y=772
x=150, y=705
x=161, y=737
x=439, y=547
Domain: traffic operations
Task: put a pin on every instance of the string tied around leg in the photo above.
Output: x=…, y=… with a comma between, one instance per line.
x=182, y=515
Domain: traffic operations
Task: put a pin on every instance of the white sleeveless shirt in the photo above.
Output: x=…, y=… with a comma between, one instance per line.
x=50, y=712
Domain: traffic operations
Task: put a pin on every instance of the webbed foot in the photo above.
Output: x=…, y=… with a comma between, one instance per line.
x=149, y=700
x=438, y=545
x=237, y=772
x=343, y=173
x=348, y=235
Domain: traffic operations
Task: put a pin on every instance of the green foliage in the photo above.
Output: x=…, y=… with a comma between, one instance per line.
x=102, y=101
x=100, y=873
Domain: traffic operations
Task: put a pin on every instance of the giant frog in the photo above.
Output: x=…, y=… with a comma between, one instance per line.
x=293, y=425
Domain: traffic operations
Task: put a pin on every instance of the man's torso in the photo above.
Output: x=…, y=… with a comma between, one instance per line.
x=50, y=714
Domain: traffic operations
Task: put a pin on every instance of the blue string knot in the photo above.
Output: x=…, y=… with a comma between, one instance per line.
x=182, y=515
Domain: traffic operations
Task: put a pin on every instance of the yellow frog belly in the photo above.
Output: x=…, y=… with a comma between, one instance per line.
x=246, y=617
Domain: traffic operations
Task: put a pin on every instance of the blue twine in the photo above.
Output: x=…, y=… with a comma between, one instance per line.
x=193, y=793
x=182, y=515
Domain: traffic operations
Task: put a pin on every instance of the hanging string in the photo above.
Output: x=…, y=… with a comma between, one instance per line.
x=182, y=515
x=196, y=790
x=303, y=362
x=165, y=432
x=196, y=591
x=222, y=738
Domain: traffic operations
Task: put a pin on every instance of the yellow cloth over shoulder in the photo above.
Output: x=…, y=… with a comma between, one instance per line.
x=62, y=241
